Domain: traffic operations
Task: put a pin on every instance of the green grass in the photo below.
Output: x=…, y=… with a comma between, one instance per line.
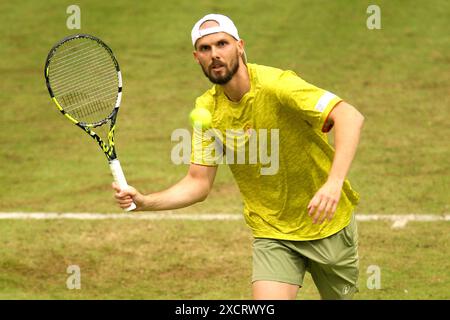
x=397, y=77
x=197, y=260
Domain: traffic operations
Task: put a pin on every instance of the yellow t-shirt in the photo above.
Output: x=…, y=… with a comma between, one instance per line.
x=275, y=144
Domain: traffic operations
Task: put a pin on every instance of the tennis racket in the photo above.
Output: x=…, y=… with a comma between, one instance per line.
x=84, y=81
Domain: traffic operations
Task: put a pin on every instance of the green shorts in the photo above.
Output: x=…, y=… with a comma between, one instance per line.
x=332, y=262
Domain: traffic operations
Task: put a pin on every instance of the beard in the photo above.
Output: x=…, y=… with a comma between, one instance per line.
x=229, y=72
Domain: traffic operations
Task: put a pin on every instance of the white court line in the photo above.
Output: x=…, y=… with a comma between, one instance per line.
x=163, y=215
x=399, y=220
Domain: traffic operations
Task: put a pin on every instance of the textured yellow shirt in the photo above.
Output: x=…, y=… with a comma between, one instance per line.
x=281, y=115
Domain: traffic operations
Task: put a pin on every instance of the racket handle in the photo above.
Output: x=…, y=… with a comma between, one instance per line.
x=119, y=178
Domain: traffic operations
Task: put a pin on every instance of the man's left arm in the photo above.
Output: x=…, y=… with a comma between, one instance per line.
x=347, y=125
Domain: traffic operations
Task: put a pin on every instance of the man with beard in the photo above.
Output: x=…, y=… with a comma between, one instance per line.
x=302, y=215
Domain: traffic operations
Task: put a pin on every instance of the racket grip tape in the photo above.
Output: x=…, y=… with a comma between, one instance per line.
x=119, y=178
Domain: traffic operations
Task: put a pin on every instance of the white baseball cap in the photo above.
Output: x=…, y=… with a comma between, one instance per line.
x=225, y=25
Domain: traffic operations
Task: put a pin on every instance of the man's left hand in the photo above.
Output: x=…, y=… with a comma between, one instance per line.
x=325, y=201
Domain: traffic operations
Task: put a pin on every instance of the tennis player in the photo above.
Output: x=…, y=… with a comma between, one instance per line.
x=301, y=216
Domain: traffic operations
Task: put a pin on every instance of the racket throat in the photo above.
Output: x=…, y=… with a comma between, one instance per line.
x=108, y=148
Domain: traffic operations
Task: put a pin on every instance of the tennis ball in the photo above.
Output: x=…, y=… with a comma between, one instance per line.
x=200, y=117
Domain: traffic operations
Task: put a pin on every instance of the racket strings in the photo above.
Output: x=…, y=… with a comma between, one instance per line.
x=73, y=56
x=87, y=110
x=81, y=60
x=73, y=47
x=99, y=87
x=84, y=80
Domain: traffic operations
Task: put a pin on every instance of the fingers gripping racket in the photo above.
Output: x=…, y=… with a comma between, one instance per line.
x=84, y=81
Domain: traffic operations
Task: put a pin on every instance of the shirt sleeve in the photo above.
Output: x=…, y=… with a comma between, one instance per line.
x=206, y=147
x=314, y=104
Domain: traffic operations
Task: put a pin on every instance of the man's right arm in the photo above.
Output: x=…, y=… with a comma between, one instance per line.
x=193, y=188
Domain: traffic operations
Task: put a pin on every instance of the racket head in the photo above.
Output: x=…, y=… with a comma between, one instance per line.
x=84, y=80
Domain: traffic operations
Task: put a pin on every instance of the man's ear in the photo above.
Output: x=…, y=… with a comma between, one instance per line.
x=241, y=45
x=195, y=56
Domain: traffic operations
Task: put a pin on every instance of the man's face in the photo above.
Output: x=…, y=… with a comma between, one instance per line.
x=218, y=55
